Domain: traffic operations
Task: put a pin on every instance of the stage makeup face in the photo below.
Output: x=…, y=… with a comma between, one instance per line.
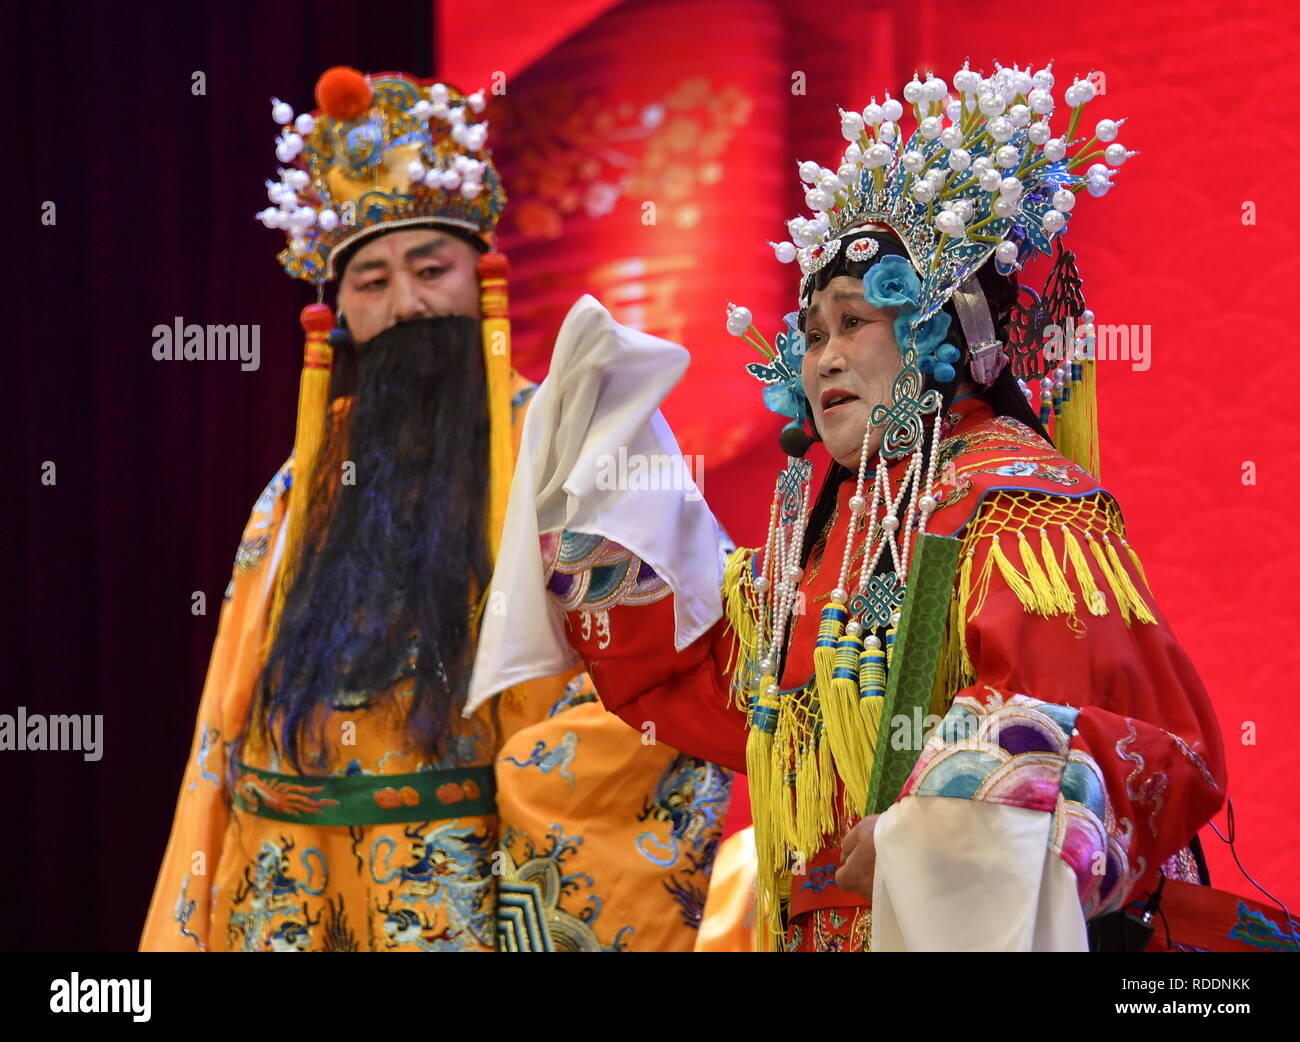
x=421, y=273
x=850, y=366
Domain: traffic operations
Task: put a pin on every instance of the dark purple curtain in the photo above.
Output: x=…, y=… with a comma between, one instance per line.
x=156, y=464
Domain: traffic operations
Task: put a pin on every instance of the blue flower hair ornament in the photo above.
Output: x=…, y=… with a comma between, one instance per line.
x=891, y=283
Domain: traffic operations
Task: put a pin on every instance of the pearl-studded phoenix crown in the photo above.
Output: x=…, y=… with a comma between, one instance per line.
x=381, y=152
x=983, y=173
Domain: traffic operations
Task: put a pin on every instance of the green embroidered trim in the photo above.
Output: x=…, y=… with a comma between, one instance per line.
x=367, y=799
x=916, y=657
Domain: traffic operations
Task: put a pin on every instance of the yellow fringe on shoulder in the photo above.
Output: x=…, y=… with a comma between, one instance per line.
x=1041, y=583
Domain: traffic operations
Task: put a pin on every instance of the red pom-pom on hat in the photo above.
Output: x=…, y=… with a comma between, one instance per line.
x=343, y=93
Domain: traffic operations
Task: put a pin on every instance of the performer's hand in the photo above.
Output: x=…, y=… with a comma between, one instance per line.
x=857, y=868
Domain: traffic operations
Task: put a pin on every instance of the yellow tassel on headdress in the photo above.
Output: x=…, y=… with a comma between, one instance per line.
x=495, y=305
x=313, y=402
x=1076, y=434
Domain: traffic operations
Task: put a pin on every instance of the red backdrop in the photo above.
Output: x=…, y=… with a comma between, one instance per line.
x=608, y=107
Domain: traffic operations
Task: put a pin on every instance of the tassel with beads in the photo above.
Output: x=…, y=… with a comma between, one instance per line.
x=843, y=721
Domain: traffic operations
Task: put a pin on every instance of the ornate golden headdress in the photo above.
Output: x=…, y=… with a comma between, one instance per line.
x=380, y=153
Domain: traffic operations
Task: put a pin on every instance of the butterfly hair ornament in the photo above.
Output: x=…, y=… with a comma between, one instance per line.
x=983, y=177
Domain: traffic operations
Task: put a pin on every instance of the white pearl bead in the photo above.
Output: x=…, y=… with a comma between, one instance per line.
x=1054, y=150
x=1003, y=207
x=877, y=155
x=913, y=162
x=1089, y=316
x=1116, y=154
x=950, y=137
x=851, y=125
x=912, y=91
x=990, y=180
x=959, y=159
x=992, y=104
x=1000, y=129
x=892, y=109
x=1007, y=157
x=1107, y=130
x=853, y=627
x=931, y=127
x=1007, y=252
x=923, y=191
x=1072, y=96
x=888, y=131
x=1041, y=101
x=1039, y=133
x=1011, y=188
x=857, y=504
x=281, y=111
x=890, y=524
x=767, y=665
x=761, y=584
x=818, y=199
x=872, y=114
x=1063, y=200
x=1020, y=115
x=796, y=574
x=1043, y=78
x=327, y=221
x=738, y=321
x=927, y=504
x=853, y=154
x=839, y=594
x=1053, y=221
x=950, y=224
x=415, y=171
x=809, y=171
x=784, y=251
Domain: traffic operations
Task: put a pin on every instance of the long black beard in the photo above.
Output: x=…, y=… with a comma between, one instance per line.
x=394, y=548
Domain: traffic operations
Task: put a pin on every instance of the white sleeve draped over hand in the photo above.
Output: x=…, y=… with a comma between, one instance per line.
x=601, y=396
